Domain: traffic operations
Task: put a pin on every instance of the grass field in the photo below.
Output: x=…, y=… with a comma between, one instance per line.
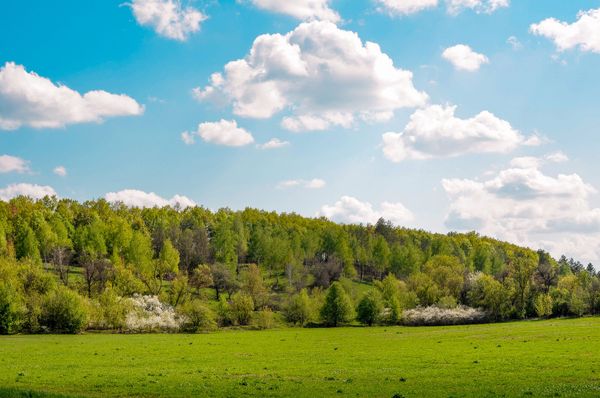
x=537, y=358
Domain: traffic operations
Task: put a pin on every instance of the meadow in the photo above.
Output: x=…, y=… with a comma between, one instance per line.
x=529, y=358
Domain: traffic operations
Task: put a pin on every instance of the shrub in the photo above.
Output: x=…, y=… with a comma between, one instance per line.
x=64, y=311
x=264, y=319
x=435, y=316
x=447, y=302
x=337, y=308
x=298, y=310
x=241, y=308
x=10, y=309
x=111, y=310
x=148, y=314
x=370, y=307
x=392, y=312
x=35, y=280
x=197, y=317
x=224, y=312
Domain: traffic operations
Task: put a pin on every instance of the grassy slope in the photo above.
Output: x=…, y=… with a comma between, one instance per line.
x=548, y=358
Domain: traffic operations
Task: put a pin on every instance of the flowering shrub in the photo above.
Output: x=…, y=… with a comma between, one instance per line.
x=148, y=314
x=434, y=316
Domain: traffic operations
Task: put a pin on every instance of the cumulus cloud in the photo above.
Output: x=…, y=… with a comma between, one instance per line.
x=13, y=164
x=324, y=75
x=300, y=9
x=223, y=132
x=273, y=143
x=435, y=131
x=557, y=157
x=60, y=171
x=583, y=33
x=350, y=210
x=514, y=43
x=464, y=58
x=524, y=205
x=479, y=6
x=31, y=190
x=404, y=7
x=31, y=100
x=168, y=18
x=141, y=199
x=315, y=183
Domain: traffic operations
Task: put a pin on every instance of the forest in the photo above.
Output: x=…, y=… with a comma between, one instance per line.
x=66, y=267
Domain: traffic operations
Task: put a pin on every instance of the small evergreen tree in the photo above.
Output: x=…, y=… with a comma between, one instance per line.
x=338, y=307
x=369, y=308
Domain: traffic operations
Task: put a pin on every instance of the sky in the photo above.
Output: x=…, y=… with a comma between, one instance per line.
x=446, y=115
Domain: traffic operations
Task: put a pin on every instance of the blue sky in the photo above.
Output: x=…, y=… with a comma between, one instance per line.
x=516, y=158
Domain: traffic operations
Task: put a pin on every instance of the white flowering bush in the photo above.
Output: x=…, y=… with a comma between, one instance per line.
x=433, y=316
x=148, y=314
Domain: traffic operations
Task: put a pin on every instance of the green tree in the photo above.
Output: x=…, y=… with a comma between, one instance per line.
x=253, y=284
x=299, y=309
x=338, y=307
x=381, y=255
x=520, y=273
x=10, y=309
x=543, y=305
x=369, y=308
x=241, y=308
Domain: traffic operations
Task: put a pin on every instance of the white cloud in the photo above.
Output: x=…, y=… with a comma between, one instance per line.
x=523, y=205
x=352, y=211
x=324, y=75
x=273, y=143
x=300, y=9
x=60, y=171
x=223, y=132
x=141, y=199
x=31, y=190
x=584, y=33
x=464, y=58
x=514, y=43
x=435, y=131
x=168, y=18
x=315, y=183
x=188, y=138
x=404, y=7
x=479, y=6
x=557, y=157
x=13, y=164
x=454, y=7
x=29, y=99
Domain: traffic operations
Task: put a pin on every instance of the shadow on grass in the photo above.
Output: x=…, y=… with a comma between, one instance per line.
x=15, y=393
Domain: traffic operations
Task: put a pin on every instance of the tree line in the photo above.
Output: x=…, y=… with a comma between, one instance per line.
x=238, y=267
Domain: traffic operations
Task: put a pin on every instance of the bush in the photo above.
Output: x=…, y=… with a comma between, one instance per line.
x=298, y=310
x=197, y=317
x=264, y=319
x=241, y=308
x=224, y=312
x=148, y=314
x=10, y=309
x=370, y=307
x=111, y=311
x=435, y=316
x=64, y=311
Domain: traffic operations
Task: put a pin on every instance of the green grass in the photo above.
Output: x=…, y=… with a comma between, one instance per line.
x=533, y=358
